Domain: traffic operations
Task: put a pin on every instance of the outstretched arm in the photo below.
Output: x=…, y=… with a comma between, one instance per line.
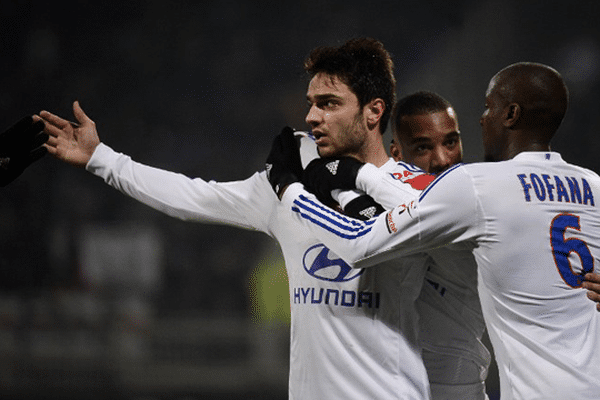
x=70, y=142
x=245, y=204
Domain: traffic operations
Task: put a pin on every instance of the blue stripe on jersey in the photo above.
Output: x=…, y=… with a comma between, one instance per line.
x=439, y=177
x=320, y=210
x=346, y=228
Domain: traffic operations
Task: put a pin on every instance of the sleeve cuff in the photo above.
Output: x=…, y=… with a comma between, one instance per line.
x=102, y=160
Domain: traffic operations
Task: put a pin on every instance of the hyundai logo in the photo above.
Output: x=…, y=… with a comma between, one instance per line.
x=318, y=264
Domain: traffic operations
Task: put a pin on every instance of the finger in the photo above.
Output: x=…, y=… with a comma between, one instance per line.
x=593, y=295
x=51, y=142
x=55, y=131
x=595, y=298
x=52, y=150
x=54, y=119
x=81, y=116
x=592, y=277
x=595, y=287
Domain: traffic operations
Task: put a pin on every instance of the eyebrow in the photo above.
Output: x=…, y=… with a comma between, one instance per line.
x=424, y=139
x=420, y=140
x=325, y=96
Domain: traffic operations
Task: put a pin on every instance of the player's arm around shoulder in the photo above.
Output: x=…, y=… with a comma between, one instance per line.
x=448, y=210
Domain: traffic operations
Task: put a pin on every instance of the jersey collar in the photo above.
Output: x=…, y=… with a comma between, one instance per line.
x=539, y=156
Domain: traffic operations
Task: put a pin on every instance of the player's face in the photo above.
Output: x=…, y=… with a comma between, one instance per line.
x=335, y=117
x=431, y=141
x=491, y=125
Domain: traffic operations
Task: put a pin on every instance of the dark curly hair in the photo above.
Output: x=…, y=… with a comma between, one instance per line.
x=364, y=65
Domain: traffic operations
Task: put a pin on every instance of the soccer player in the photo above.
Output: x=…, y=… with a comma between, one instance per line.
x=20, y=146
x=451, y=325
x=426, y=133
x=353, y=332
x=529, y=218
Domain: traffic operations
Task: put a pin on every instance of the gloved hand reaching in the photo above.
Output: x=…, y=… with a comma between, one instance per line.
x=20, y=146
x=283, y=164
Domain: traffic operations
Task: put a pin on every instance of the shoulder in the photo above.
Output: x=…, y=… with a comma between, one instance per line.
x=409, y=174
x=447, y=180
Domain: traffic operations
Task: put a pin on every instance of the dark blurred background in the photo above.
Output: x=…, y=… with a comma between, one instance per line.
x=101, y=297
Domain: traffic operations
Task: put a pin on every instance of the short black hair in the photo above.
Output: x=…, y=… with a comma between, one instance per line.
x=364, y=65
x=418, y=103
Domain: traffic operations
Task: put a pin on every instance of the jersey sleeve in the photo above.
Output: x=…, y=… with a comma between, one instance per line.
x=392, y=188
x=447, y=211
x=243, y=203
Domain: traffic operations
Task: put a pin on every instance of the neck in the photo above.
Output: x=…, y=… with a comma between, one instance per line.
x=373, y=151
x=526, y=142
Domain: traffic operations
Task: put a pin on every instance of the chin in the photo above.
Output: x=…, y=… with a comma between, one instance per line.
x=325, y=152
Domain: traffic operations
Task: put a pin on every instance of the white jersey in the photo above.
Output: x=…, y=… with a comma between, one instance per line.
x=451, y=323
x=533, y=226
x=353, y=332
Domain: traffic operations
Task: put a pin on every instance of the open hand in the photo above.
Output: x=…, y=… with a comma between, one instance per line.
x=71, y=142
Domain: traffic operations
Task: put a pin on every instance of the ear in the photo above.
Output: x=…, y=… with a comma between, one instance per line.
x=512, y=115
x=396, y=150
x=373, y=112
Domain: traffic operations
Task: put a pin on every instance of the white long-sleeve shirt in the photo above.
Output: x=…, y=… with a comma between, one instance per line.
x=353, y=332
x=532, y=224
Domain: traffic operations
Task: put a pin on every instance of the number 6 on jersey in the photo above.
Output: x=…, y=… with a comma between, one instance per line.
x=561, y=248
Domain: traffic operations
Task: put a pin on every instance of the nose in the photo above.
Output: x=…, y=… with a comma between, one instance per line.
x=313, y=117
x=440, y=160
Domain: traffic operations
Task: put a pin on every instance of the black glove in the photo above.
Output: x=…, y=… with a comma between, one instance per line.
x=283, y=163
x=323, y=175
x=20, y=146
x=363, y=207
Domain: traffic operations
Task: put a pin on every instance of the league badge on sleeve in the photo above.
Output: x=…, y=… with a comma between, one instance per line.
x=395, y=213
